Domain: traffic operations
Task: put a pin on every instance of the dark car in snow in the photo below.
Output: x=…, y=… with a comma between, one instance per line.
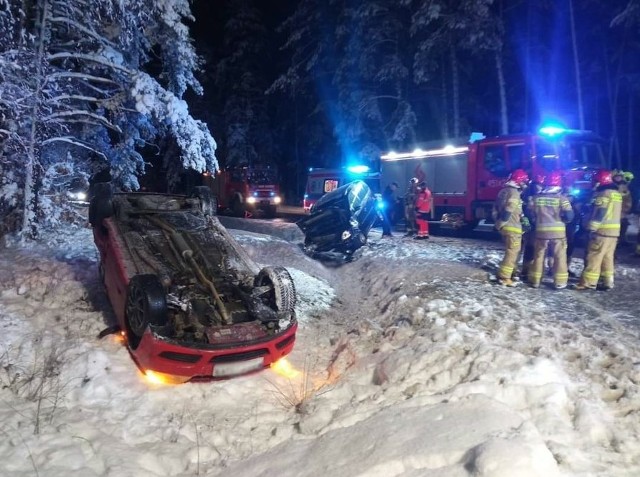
x=338, y=224
x=188, y=299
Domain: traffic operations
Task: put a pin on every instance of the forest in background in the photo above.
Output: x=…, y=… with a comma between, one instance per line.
x=349, y=80
x=142, y=88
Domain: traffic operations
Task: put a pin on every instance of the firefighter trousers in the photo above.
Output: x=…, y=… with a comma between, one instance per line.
x=599, y=263
x=422, y=219
x=410, y=218
x=512, y=245
x=558, y=250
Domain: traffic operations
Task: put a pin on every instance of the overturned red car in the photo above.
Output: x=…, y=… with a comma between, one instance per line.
x=187, y=298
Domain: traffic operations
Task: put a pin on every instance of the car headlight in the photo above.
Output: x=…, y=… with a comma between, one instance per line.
x=277, y=199
x=346, y=234
x=77, y=195
x=251, y=200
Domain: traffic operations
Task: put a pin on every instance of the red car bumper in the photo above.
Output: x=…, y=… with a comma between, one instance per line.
x=196, y=363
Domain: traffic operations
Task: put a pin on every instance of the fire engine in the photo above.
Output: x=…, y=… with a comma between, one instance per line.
x=245, y=190
x=465, y=178
x=321, y=181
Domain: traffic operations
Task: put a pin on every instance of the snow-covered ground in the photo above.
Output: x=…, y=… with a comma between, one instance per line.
x=408, y=363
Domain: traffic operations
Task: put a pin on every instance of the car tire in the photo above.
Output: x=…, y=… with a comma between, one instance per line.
x=208, y=202
x=282, y=296
x=101, y=205
x=146, y=305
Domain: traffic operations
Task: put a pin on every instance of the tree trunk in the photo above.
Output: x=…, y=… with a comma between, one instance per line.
x=32, y=150
x=455, y=87
x=504, y=117
x=576, y=64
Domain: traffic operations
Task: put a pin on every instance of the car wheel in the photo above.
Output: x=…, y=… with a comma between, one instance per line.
x=208, y=202
x=101, y=205
x=146, y=305
x=282, y=295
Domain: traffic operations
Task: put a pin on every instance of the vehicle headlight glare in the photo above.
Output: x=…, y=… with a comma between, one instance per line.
x=251, y=200
x=277, y=199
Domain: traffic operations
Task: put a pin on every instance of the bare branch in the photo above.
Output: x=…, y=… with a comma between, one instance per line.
x=83, y=29
x=75, y=142
x=94, y=58
x=70, y=114
x=70, y=74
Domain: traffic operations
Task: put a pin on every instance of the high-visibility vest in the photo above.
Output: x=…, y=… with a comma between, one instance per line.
x=607, y=212
x=547, y=212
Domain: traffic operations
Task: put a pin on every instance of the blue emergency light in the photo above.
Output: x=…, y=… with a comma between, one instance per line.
x=359, y=169
x=552, y=130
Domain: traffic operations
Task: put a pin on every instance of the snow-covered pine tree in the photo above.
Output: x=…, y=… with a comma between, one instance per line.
x=371, y=79
x=241, y=72
x=89, y=100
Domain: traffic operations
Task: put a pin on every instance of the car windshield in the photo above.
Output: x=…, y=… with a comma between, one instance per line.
x=265, y=176
x=569, y=153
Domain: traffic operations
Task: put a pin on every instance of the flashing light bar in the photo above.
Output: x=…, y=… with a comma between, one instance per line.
x=419, y=153
x=359, y=169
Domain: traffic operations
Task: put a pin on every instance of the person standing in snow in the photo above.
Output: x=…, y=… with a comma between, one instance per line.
x=389, y=202
x=550, y=211
x=528, y=228
x=604, y=230
x=621, y=180
x=423, y=207
x=507, y=215
x=410, y=206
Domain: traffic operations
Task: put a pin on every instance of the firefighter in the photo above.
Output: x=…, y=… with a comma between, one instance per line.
x=423, y=208
x=410, y=206
x=507, y=215
x=389, y=203
x=621, y=180
x=550, y=211
x=604, y=230
x=528, y=228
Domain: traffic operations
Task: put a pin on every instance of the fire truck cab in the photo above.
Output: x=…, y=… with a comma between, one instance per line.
x=465, y=178
x=320, y=181
x=245, y=190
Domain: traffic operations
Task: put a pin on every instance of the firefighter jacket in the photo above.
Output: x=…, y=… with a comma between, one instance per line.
x=423, y=202
x=550, y=211
x=507, y=210
x=607, y=212
x=410, y=196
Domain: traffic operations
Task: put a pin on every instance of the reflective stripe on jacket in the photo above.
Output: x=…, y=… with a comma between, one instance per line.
x=507, y=210
x=550, y=212
x=607, y=212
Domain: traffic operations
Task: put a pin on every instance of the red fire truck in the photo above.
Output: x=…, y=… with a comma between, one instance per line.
x=465, y=178
x=321, y=180
x=245, y=190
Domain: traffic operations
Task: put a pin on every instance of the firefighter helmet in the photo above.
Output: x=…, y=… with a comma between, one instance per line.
x=414, y=180
x=538, y=179
x=553, y=179
x=602, y=177
x=519, y=177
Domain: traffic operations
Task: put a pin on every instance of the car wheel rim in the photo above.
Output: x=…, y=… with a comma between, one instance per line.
x=135, y=312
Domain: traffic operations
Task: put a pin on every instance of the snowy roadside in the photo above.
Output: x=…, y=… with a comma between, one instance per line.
x=410, y=364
